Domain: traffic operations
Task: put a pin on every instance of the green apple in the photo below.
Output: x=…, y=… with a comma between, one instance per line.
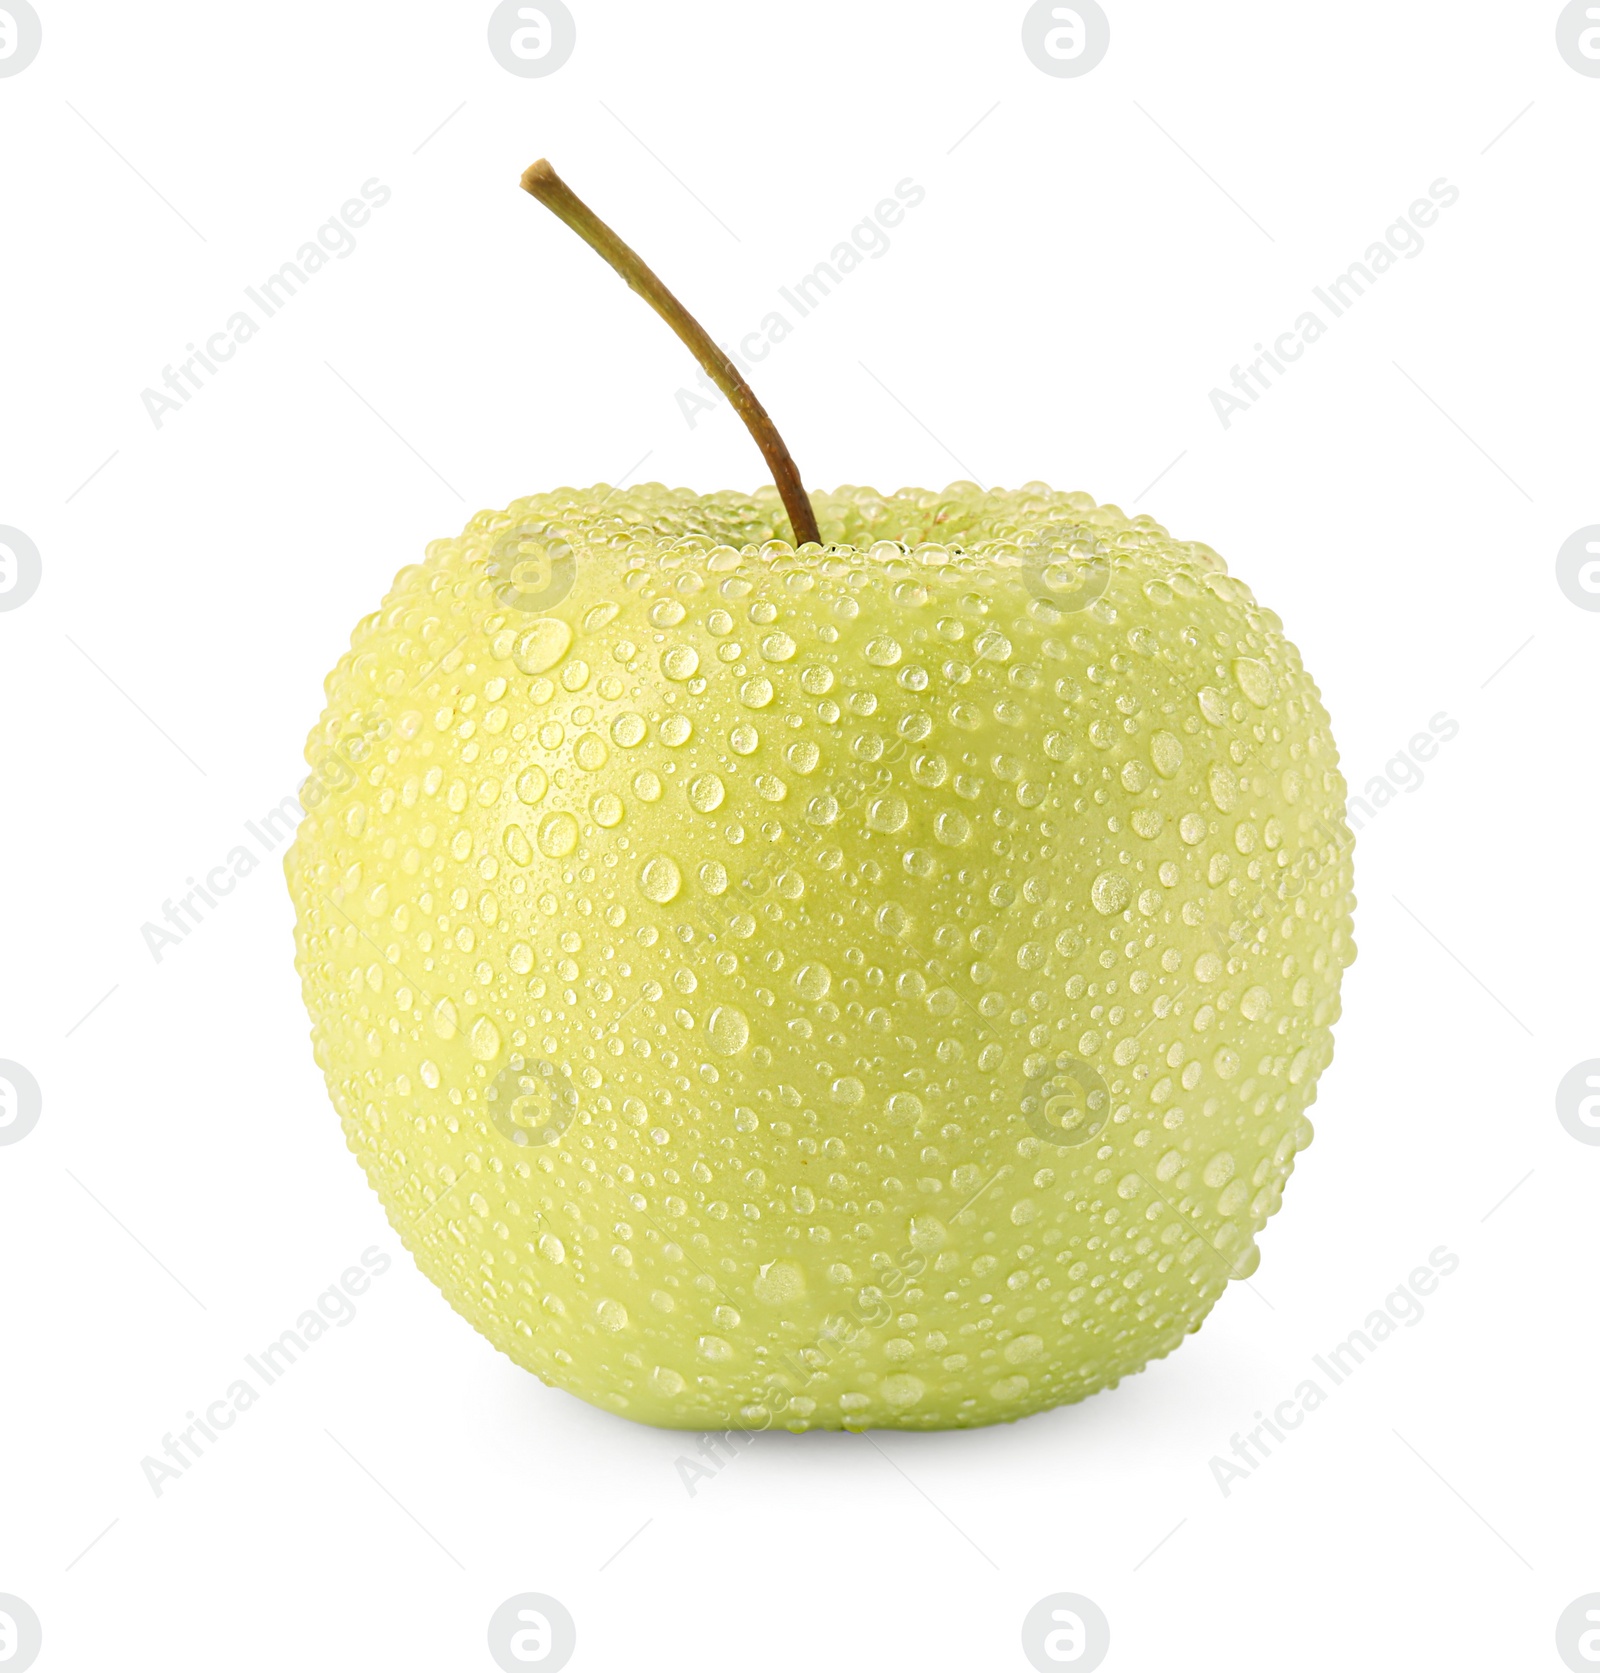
x=877, y=981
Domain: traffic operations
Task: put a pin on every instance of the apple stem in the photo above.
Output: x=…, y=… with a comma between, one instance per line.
x=542, y=181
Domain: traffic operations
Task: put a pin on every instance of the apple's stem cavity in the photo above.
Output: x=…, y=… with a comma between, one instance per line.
x=556, y=195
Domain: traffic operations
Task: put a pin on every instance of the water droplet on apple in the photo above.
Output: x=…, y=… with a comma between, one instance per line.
x=558, y=835
x=706, y=792
x=660, y=880
x=729, y=1029
x=543, y=645
x=1166, y=754
x=1255, y=680
x=1110, y=892
x=887, y=814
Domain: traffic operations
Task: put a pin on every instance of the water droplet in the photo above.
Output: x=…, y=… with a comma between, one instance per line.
x=893, y=919
x=660, y=880
x=517, y=844
x=779, y=1281
x=1110, y=892
x=706, y=792
x=1255, y=680
x=532, y=785
x=543, y=645
x=812, y=981
x=484, y=1039
x=676, y=730
x=558, y=835
x=882, y=652
x=1219, y=1170
x=1257, y=1002
x=887, y=814
x=1166, y=754
x=952, y=827
x=928, y=1231
x=729, y=1029
x=612, y=1315
x=904, y=1107
x=680, y=662
x=628, y=730
x=778, y=647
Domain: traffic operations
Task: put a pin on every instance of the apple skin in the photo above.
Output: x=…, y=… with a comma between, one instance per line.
x=873, y=986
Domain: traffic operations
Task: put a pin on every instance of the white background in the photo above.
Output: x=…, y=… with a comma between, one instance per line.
x=1090, y=261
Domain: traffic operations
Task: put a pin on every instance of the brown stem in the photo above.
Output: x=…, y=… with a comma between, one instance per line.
x=542, y=182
